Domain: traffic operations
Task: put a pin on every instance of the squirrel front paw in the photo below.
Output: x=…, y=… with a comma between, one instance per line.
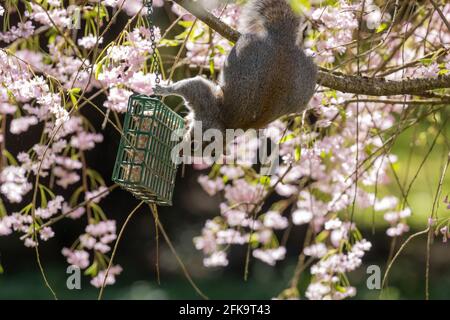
x=159, y=90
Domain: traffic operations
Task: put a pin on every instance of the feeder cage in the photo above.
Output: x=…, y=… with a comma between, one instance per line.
x=144, y=164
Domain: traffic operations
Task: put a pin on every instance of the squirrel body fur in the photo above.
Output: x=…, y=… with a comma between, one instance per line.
x=266, y=75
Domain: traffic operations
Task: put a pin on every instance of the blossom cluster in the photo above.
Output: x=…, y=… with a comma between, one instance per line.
x=330, y=169
x=323, y=177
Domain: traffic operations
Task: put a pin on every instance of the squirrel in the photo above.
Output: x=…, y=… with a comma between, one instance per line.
x=266, y=75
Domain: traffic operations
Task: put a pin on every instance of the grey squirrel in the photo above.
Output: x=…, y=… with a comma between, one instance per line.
x=266, y=75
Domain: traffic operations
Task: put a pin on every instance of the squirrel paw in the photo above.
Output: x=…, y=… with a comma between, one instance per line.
x=160, y=91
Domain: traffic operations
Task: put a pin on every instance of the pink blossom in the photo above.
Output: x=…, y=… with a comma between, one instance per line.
x=101, y=228
x=216, y=259
x=65, y=178
x=230, y=236
x=22, y=124
x=68, y=163
x=85, y=140
x=274, y=220
x=79, y=258
x=206, y=243
x=232, y=172
x=60, y=17
x=98, y=280
x=141, y=83
x=317, y=291
x=337, y=235
x=22, y=30
x=14, y=184
x=386, y=203
x=243, y=193
x=333, y=224
x=5, y=226
x=46, y=233
x=211, y=186
x=397, y=230
x=316, y=250
x=96, y=195
x=53, y=206
x=89, y=41
x=87, y=241
x=270, y=256
x=233, y=217
x=30, y=243
x=430, y=71
x=108, y=238
x=301, y=216
x=101, y=247
x=75, y=214
x=264, y=236
x=373, y=17
x=117, y=99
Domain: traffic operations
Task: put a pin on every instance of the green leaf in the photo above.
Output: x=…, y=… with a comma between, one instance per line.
x=221, y=49
x=298, y=153
x=26, y=209
x=287, y=138
x=95, y=176
x=185, y=24
x=340, y=289
x=321, y=237
x=382, y=27
x=211, y=66
x=170, y=42
x=300, y=6
x=97, y=210
x=10, y=157
x=265, y=180
x=426, y=61
x=92, y=270
x=3, y=211
x=74, y=197
x=73, y=96
x=98, y=69
x=50, y=192
x=28, y=6
x=254, y=242
x=43, y=197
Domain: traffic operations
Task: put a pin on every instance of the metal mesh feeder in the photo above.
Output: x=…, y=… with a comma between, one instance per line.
x=144, y=163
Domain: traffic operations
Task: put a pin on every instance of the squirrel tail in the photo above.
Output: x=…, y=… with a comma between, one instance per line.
x=269, y=15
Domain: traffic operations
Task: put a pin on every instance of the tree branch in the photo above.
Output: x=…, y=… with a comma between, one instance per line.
x=336, y=81
x=214, y=23
x=380, y=86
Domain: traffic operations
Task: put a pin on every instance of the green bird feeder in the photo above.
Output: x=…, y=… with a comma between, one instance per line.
x=144, y=164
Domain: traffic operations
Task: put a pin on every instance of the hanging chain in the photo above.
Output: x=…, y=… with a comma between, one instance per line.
x=151, y=26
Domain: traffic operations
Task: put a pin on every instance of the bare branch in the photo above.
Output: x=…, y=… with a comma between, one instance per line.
x=216, y=24
x=340, y=82
x=380, y=86
x=441, y=14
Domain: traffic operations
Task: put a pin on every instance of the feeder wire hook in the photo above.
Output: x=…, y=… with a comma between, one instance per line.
x=151, y=26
